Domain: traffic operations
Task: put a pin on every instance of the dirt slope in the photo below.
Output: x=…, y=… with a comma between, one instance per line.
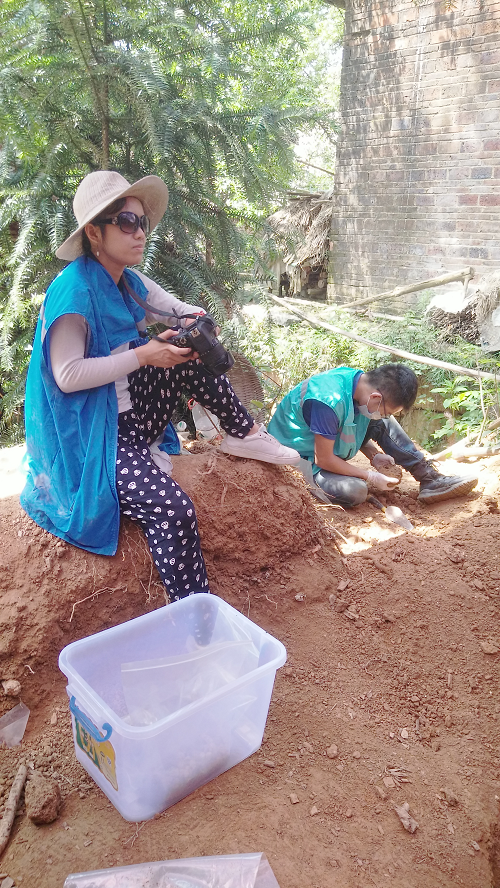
x=386, y=660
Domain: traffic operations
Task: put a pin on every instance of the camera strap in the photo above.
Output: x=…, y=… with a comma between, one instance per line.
x=148, y=307
x=142, y=302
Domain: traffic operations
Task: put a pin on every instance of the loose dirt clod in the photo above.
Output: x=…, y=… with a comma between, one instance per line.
x=489, y=647
x=43, y=799
x=403, y=812
x=332, y=751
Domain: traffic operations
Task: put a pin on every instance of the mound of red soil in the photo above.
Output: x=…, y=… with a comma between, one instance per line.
x=251, y=515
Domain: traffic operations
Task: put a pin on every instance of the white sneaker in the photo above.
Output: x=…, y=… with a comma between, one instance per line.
x=262, y=446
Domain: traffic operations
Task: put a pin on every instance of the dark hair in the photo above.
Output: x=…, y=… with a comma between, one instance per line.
x=112, y=210
x=396, y=382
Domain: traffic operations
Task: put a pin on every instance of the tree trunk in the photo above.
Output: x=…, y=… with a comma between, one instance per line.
x=208, y=252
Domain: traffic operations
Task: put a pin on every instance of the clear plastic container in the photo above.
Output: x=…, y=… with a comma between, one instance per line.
x=166, y=702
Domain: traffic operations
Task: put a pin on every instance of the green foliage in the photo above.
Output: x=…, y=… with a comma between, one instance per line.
x=463, y=405
x=287, y=355
x=208, y=95
x=284, y=356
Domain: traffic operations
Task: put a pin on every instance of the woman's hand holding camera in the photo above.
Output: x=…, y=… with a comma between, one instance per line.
x=158, y=353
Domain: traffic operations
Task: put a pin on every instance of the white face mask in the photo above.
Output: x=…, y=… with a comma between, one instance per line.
x=363, y=409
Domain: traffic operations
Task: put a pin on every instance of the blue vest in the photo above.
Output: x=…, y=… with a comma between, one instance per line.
x=71, y=438
x=333, y=388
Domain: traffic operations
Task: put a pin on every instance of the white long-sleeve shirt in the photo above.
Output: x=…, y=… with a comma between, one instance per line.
x=73, y=372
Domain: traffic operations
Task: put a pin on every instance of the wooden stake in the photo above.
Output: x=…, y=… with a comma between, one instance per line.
x=408, y=356
x=11, y=806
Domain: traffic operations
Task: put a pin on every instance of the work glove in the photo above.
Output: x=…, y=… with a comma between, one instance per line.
x=382, y=461
x=381, y=482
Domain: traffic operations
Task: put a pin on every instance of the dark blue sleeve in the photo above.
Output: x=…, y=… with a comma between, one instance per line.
x=321, y=419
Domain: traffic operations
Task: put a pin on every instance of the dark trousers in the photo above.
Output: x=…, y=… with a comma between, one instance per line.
x=149, y=496
x=393, y=440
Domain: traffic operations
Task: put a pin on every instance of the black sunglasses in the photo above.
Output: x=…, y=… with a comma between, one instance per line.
x=127, y=222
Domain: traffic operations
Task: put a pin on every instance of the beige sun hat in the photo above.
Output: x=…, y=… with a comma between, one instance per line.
x=99, y=190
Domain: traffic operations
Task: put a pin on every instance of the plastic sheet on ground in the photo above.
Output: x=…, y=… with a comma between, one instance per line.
x=225, y=871
x=13, y=725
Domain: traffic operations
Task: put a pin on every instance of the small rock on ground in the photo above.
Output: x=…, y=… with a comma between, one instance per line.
x=11, y=688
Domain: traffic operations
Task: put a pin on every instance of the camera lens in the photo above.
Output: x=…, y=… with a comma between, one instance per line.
x=217, y=360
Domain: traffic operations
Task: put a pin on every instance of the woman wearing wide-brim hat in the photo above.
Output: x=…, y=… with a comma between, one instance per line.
x=100, y=393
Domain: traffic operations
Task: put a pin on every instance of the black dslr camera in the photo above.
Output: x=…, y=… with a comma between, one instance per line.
x=200, y=337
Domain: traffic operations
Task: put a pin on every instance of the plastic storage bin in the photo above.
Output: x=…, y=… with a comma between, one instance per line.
x=166, y=702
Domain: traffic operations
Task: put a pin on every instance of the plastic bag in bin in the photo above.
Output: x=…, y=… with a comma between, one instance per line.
x=224, y=871
x=155, y=689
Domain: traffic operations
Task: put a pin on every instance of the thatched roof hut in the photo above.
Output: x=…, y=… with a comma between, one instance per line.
x=304, y=226
x=302, y=231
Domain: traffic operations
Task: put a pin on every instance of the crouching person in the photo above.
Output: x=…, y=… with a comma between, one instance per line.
x=331, y=416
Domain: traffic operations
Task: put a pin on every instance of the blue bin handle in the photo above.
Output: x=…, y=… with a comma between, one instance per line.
x=88, y=725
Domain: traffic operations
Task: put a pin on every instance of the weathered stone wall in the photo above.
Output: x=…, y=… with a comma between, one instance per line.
x=418, y=165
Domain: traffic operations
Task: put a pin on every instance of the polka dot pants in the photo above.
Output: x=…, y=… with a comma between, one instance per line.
x=152, y=498
x=155, y=393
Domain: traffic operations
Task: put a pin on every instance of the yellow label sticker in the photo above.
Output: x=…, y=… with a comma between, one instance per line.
x=100, y=752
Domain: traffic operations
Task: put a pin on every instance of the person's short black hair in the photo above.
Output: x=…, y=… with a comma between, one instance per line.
x=396, y=382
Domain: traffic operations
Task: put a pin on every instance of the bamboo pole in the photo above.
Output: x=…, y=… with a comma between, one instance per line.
x=408, y=356
x=413, y=288
x=335, y=307
x=479, y=452
x=457, y=447
x=11, y=806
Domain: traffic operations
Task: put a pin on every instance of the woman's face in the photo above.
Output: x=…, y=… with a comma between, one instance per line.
x=117, y=249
